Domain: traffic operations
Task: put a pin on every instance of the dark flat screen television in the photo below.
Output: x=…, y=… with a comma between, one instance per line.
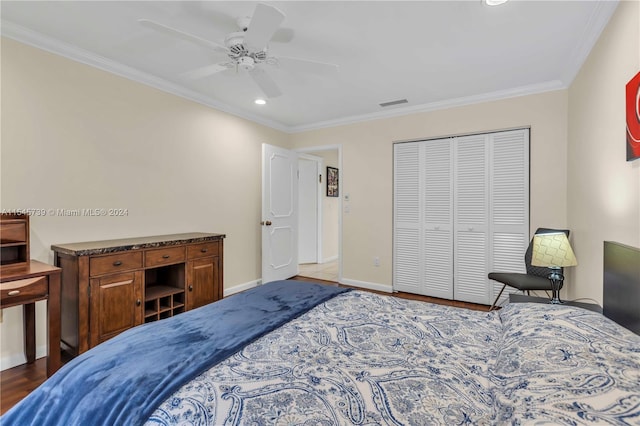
x=621, y=296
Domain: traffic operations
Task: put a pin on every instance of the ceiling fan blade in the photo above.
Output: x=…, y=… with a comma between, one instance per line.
x=203, y=11
x=264, y=23
x=205, y=71
x=283, y=35
x=306, y=66
x=265, y=82
x=156, y=26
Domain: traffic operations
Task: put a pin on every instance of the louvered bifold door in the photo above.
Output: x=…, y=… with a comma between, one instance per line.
x=471, y=221
x=509, y=204
x=407, y=244
x=437, y=218
x=461, y=210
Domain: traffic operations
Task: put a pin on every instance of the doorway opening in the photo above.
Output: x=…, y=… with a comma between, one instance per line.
x=320, y=215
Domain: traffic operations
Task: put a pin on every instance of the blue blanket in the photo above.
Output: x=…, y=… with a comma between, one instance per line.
x=122, y=381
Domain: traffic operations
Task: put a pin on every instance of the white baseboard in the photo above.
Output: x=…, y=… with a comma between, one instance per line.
x=14, y=360
x=367, y=285
x=330, y=259
x=241, y=287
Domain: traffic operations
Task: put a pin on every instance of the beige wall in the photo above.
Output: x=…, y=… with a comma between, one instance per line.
x=367, y=160
x=603, y=189
x=77, y=137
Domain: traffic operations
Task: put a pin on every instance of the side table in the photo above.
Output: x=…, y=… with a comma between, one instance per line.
x=521, y=298
x=24, y=285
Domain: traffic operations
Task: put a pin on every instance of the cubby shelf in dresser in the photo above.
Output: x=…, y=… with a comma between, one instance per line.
x=162, y=301
x=111, y=286
x=14, y=240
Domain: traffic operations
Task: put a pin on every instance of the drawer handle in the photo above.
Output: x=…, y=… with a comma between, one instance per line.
x=204, y=250
x=117, y=263
x=14, y=292
x=165, y=256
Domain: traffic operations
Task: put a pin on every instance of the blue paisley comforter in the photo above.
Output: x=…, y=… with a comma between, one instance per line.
x=365, y=359
x=123, y=380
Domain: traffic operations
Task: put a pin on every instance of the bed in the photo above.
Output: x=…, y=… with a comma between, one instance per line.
x=291, y=352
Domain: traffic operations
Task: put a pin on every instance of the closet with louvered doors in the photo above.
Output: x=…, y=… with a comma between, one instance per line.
x=461, y=209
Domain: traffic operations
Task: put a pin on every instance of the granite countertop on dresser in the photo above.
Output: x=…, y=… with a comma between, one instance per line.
x=90, y=248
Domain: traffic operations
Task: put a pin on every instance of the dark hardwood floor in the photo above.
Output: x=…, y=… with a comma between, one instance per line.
x=18, y=382
x=409, y=296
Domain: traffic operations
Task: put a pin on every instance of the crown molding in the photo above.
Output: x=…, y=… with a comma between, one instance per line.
x=434, y=106
x=593, y=29
x=40, y=41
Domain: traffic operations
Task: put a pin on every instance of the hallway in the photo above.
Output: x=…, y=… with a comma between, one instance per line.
x=321, y=271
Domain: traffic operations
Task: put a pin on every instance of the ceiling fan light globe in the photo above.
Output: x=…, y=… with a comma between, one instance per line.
x=246, y=63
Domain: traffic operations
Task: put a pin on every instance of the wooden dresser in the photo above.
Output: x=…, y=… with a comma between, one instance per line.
x=111, y=286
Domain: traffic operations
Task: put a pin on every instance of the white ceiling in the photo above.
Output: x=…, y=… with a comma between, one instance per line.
x=435, y=54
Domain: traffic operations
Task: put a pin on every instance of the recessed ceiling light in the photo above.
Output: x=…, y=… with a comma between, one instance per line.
x=260, y=101
x=494, y=2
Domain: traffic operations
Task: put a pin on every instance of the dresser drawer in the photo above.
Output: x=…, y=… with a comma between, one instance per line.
x=13, y=232
x=165, y=256
x=203, y=250
x=28, y=288
x=115, y=263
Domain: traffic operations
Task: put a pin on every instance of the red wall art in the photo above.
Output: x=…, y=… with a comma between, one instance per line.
x=633, y=118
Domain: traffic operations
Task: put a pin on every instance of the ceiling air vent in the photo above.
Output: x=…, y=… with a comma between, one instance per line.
x=391, y=103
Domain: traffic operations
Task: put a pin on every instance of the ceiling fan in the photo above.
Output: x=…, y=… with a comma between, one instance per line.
x=247, y=49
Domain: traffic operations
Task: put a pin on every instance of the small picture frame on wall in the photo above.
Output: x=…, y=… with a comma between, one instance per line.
x=332, y=182
x=633, y=118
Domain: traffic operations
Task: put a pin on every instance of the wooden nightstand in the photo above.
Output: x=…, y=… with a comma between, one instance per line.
x=25, y=285
x=24, y=282
x=521, y=298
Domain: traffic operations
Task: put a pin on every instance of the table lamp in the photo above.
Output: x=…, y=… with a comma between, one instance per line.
x=553, y=251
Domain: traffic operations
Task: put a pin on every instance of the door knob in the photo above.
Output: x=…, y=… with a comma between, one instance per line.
x=267, y=223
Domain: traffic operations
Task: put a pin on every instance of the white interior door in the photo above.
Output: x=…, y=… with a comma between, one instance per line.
x=279, y=213
x=509, y=180
x=471, y=219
